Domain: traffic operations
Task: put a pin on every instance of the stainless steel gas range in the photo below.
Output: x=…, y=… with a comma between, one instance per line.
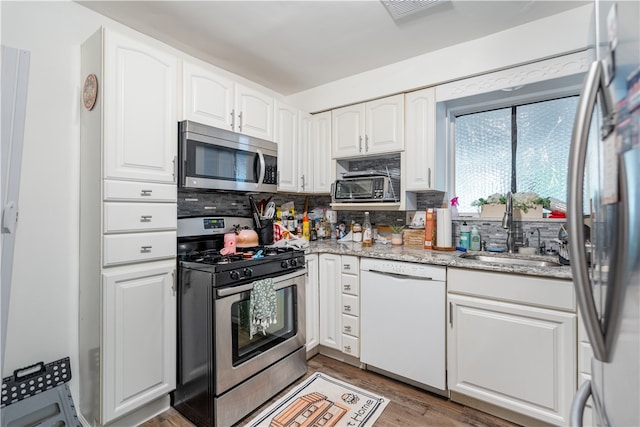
x=223, y=372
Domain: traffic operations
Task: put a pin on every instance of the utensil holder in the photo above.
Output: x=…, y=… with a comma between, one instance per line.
x=265, y=233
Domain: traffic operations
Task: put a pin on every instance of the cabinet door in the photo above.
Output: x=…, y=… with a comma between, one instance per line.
x=518, y=357
x=139, y=111
x=330, y=301
x=139, y=336
x=287, y=139
x=305, y=154
x=347, y=131
x=313, y=302
x=254, y=113
x=384, y=125
x=420, y=134
x=320, y=150
x=207, y=98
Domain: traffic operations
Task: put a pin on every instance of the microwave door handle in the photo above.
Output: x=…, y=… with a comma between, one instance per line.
x=262, y=167
x=594, y=84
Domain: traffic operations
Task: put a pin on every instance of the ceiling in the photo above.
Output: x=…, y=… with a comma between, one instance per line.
x=291, y=46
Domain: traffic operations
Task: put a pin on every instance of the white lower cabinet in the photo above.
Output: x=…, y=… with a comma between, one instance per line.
x=511, y=353
x=312, y=304
x=339, y=303
x=139, y=329
x=330, y=300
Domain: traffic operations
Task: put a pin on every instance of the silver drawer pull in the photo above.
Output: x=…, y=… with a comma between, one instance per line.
x=146, y=192
x=145, y=249
x=347, y=349
x=145, y=218
x=347, y=287
x=347, y=308
x=347, y=328
x=346, y=266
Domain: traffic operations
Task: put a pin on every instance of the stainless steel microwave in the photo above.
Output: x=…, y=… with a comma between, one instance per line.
x=367, y=188
x=218, y=159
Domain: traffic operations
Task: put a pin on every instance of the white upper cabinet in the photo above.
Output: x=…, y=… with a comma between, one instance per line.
x=139, y=90
x=287, y=140
x=420, y=137
x=207, y=97
x=305, y=154
x=320, y=152
x=218, y=101
x=374, y=127
x=254, y=112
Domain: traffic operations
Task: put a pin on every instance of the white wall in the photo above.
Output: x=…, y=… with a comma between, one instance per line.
x=43, y=312
x=559, y=34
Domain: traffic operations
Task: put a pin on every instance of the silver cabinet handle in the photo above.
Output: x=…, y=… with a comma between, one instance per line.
x=347, y=328
x=302, y=179
x=175, y=160
x=594, y=84
x=347, y=308
x=240, y=120
x=173, y=284
x=366, y=143
x=233, y=119
x=360, y=144
x=146, y=193
x=347, y=287
x=145, y=249
x=578, y=404
x=429, y=177
x=145, y=218
x=346, y=266
x=347, y=349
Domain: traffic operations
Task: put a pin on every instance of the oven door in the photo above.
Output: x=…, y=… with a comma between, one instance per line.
x=237, y=357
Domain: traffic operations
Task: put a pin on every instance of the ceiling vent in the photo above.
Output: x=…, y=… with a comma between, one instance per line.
x=399, y=9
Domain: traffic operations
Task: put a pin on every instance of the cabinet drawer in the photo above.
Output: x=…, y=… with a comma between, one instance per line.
x=349, y=264
x=127, y=217
x=128, y=248
x=139, y=191
x=350, y=325
x=351, y=345
x=350, y=305
x=349, y=284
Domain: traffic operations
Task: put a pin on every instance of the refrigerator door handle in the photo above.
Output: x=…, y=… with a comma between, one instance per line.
x=579, y=403
x=594, y=84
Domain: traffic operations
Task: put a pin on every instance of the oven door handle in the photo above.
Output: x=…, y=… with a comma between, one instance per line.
x=280, y=282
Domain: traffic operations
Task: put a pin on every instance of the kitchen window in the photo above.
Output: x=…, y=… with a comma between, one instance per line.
x=523, y=148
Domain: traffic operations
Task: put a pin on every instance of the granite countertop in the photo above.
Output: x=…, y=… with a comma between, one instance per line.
x=448, y=259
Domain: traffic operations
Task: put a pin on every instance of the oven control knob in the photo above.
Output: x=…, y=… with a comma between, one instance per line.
x=284, y=264
x=234, y=275
x=248, y=272
x=293, y=262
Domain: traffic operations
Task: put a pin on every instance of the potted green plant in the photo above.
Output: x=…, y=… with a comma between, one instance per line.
x=525, y=205
x=396, y=234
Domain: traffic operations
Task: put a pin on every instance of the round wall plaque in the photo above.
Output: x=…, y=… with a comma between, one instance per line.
x=90, y=91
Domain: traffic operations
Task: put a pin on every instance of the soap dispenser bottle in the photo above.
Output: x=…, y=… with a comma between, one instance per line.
x=465, y=235
x=475, y=239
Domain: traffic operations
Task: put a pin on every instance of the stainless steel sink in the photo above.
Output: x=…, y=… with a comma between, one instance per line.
x=507, y=260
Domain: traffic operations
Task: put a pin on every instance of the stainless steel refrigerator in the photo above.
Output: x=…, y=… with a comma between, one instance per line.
x=604, y=181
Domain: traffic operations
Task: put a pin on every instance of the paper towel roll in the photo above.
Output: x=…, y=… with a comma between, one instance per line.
x=443, y=227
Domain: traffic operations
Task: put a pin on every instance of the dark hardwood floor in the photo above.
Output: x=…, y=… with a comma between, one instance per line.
x=408, y=406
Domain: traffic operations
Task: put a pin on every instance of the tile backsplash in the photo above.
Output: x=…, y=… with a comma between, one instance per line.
x=229, y=203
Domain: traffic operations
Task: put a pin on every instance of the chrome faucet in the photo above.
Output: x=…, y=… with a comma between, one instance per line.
x=507, y=224
x=541, y=248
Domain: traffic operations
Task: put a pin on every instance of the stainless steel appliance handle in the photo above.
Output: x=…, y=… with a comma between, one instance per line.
x=594, y=84
x=399, y=276
x=579, y=402
x=261, y=172
x=280, y=282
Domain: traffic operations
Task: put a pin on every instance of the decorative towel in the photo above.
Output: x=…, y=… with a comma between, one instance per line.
x=263, y=307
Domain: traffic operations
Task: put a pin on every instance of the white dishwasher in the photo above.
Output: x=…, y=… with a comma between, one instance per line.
x=402, y=320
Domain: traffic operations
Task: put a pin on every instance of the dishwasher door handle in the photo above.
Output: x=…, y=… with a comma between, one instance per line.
x=399, y=276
